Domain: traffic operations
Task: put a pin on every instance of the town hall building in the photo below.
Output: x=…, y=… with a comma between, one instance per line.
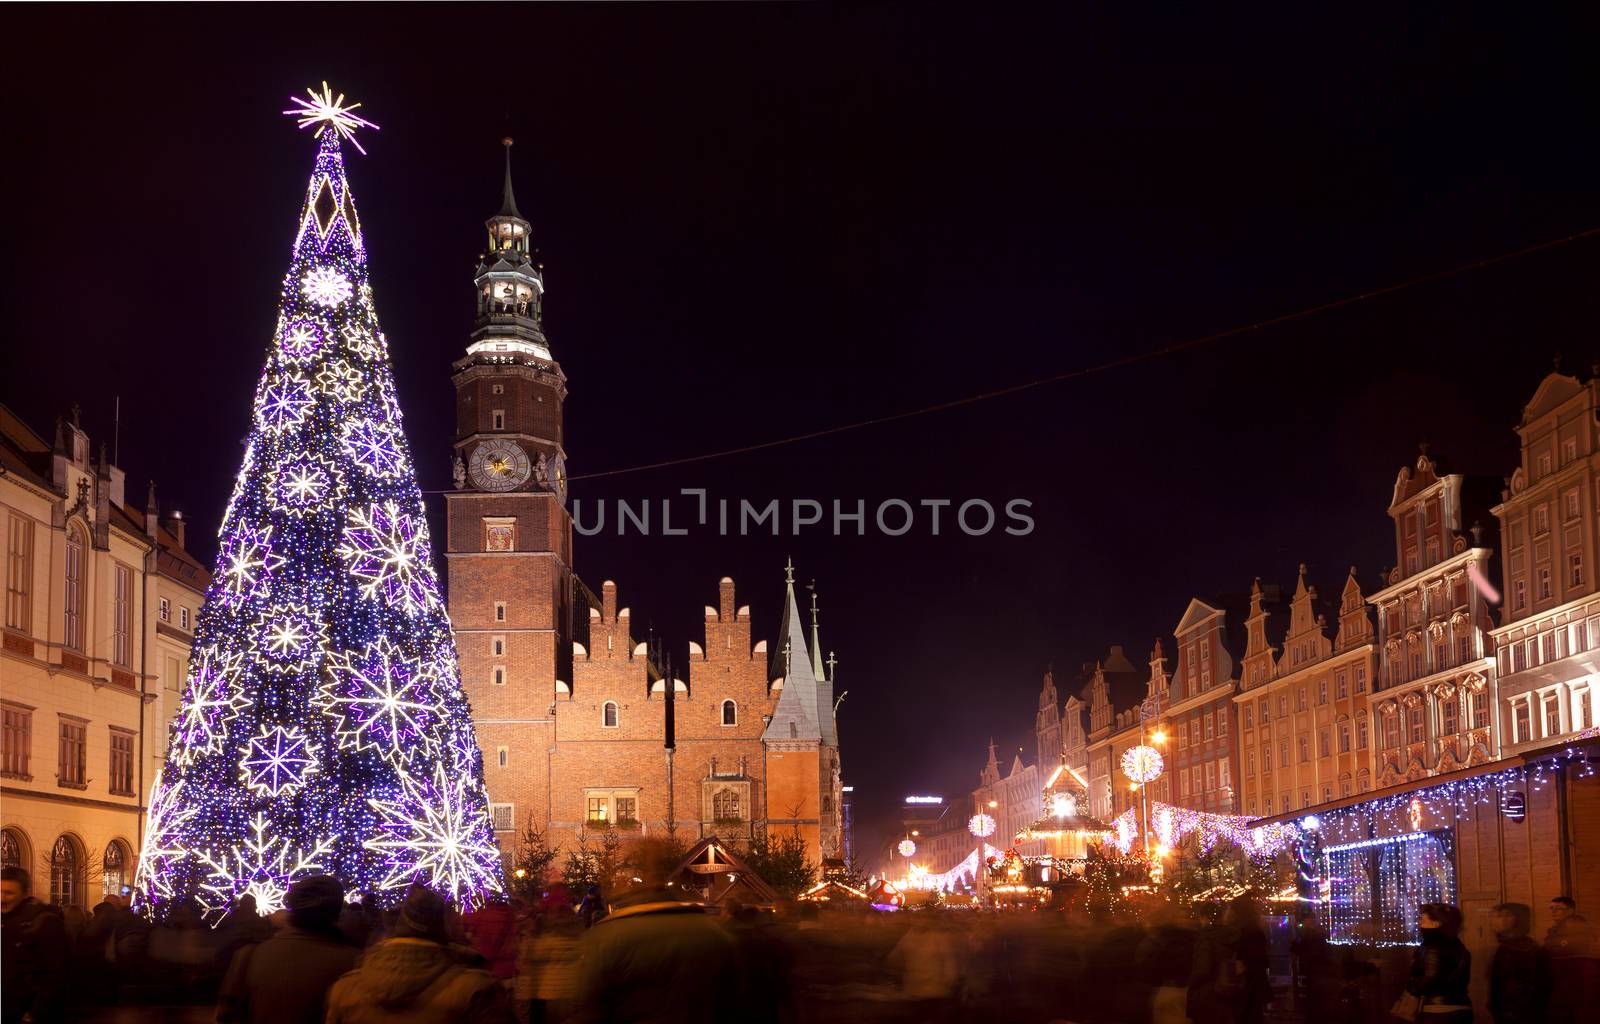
x=582, y=731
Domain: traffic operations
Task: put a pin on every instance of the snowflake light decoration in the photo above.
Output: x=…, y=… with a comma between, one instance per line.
x=365, y=345
x=300, y=341
x=262, y=867
x=382, y=699
x=284, y=403
x=342, y=381
x=437, y=832
x=329, y=113
x=213, y=698
x=907, y=848
x=278, y=761
x=1142, y=764
x=169, y=815
x=375, y=447
x=290, y=638
x=387, y=550
x=247, y=561
x=304, y=484
x=981, y=825
x=326, y=286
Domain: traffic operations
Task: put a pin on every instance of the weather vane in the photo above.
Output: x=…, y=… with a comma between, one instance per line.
x=327, y=111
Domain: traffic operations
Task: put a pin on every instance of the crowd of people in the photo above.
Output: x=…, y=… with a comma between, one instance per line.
x=650, y=955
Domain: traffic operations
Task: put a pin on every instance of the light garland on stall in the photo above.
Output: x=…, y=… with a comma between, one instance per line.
x=323, y=727
x=1172, y=824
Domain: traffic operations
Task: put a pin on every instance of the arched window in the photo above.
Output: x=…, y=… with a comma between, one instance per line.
x=65, y=863
x=74, y=588
x=114, y=869
x=608, y=717
x=730, y=713
x=13, y=849
x=725, y=805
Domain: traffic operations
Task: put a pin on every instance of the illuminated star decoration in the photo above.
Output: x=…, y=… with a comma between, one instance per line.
x=285, y=402
x=301, y=341
x=437, y=833
x=329, y=112
x=341, y=380
x=278, y=761
x=303, y=484
x=375, y=447
x=326, y=286
x=211, y=701
x=290, y=638
x=261, y=867
x=247, y=561
x=363, y=344
x=387, y=550
x=381, y=697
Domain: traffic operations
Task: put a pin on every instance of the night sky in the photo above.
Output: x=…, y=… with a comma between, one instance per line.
x=762, y=221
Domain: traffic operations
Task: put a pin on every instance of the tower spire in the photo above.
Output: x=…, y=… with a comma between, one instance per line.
x=508, y=198
x=510, y=286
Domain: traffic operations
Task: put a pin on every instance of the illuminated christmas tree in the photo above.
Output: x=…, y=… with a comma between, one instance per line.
x=323, y=728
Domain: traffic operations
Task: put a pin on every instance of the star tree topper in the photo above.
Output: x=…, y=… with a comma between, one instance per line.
x=329, y=112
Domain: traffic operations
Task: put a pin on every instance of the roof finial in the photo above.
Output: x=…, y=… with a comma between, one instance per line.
x=788, y=571
x=508, y=198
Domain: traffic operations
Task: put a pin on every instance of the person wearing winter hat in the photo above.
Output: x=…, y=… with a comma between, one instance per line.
x=285, y=979
x=416, y=978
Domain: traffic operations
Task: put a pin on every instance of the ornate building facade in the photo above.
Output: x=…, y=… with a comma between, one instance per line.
x=582, y=731
x=1305, y=732
x=1549, y=512
x=100, y=599
x=1436, y=670
x=1200, y=745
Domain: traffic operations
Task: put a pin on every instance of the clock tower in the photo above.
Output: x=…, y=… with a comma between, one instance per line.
x=509, y=543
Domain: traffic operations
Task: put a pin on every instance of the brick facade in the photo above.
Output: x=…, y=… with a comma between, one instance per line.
x=580, y=730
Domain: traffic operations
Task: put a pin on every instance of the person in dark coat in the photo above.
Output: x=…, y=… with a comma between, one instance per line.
x=593, y=907
x=417, y=977
x=1441, y=967
x=285, y=980
x=654, y=958
x=1574, y=968
x=1519, y=974
x=1230, y=983
x=34, y=961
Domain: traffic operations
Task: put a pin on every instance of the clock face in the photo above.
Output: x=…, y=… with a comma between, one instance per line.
x=499, y=466
x=557, y=470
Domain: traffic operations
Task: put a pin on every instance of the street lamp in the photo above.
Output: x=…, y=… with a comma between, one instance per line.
x=1143, y=765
